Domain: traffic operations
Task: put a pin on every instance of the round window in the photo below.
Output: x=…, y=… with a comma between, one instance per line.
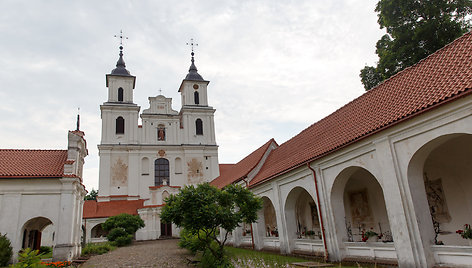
x=195, y=86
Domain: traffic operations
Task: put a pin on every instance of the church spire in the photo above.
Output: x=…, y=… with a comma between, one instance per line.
x=120, y=64
x=192, y=71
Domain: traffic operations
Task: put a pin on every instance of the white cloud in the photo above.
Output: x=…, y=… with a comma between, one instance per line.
x=275, y=66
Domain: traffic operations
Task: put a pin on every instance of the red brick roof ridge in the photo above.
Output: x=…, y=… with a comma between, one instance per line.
x=32, y=163
x=388, y=118
x=225, y=179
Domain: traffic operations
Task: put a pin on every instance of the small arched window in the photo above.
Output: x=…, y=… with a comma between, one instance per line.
x=196, y=97
x=120, y=125
x=120, y=94
x=161, y=172
x=199, y=126
x=161, y=133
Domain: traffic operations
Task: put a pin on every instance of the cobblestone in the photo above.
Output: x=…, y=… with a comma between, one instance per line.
x=159, y=253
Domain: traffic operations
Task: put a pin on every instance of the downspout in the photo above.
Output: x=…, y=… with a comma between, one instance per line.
x=326, y=256
x=252, y=234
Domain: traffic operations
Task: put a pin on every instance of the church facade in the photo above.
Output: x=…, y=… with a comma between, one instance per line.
x=385, y=178
x=141, y=164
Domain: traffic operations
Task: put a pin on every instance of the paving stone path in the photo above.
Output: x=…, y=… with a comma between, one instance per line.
x=159, y=253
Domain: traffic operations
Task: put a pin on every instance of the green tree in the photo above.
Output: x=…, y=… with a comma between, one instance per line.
x=92, y=195
x=6, y=251
x=415, y=29
x=122, y=227
x=204, y=209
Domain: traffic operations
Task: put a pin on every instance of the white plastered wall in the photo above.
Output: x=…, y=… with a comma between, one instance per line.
x=388, y=156
x=58, y=200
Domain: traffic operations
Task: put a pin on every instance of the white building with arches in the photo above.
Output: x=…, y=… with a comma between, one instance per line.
x=42, y=189
x=396, y=161
x=141, y=164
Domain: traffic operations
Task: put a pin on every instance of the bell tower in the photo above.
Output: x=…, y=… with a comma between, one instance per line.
x=197, y=117
x=119, y=112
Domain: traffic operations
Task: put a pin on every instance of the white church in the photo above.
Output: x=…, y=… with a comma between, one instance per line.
x=140, y=165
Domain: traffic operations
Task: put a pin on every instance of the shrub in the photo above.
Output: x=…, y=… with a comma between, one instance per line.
x=28, y=258
x=115, y=233
x=123, y=240
x=131, y=223
x=45, y=250
x=6, y=251
x=122, y=227
x=197, y=244
x=119, y=237
x=97, y=248
x=191, y=242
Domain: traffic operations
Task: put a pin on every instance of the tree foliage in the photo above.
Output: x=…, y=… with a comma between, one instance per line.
x=122, y=227
x=204, y=209
x=415, y=29
x=92, y=195
x=6, y=251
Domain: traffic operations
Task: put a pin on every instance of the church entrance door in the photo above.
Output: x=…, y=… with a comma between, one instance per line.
x=166, y=229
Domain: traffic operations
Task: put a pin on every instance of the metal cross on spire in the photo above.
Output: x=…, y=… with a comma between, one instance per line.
x=121, y=37
x=192, y=43
x=160, y=91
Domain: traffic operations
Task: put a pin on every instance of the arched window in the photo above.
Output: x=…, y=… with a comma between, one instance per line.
x=196, y=97
x=199, y=126
x=120, y=94
x=120, y=125
x=161, y=171
x=161, y=133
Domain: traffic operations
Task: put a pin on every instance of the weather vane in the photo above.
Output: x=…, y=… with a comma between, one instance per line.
x=121, y=37
x=192, y=43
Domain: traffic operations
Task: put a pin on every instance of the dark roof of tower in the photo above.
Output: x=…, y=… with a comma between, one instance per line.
x=120, y=66
x=193, y=72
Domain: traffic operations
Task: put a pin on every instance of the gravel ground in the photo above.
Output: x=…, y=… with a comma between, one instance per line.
x=158, y=253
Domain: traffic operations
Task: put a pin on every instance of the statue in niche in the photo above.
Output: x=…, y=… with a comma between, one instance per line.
x=360, y=208
x=161, y=133
x=436, y=200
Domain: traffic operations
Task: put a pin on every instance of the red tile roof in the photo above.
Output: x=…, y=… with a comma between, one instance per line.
x=94, y=209
x=32, y=163
x=232, y=173
x=437, y=79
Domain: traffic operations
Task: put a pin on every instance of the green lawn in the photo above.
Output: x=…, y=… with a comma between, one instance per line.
x=258, y=259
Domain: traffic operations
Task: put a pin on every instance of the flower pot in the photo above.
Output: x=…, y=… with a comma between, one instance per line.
x=470, y=242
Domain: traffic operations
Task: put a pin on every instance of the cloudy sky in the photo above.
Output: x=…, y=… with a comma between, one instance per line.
x=275, y=67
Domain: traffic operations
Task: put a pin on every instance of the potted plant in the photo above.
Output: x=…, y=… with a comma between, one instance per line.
x=466, y=233
x=367, y=235
x=310, y=234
